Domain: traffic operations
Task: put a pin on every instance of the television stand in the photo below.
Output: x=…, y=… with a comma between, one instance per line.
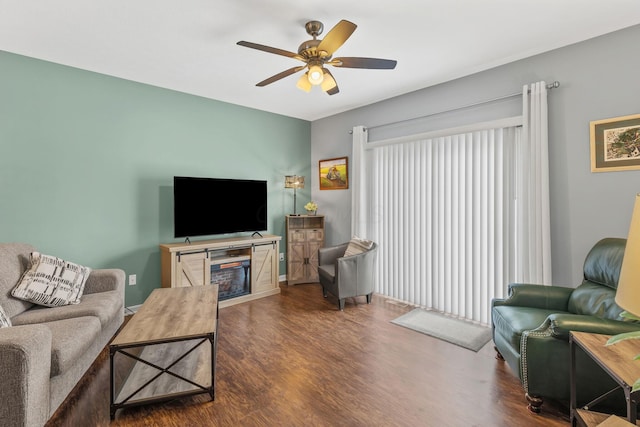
x=192, y=264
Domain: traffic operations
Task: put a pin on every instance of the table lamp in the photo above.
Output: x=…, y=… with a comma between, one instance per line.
x=295, y=182
x=628, y=292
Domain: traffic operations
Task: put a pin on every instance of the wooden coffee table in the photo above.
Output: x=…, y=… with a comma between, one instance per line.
x=168, y=348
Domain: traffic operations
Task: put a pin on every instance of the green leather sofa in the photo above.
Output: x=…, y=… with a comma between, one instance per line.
x=531, y=329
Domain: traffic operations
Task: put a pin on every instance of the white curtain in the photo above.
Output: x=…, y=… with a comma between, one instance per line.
x=358, y=181
x=458, y=215
x=532, y=193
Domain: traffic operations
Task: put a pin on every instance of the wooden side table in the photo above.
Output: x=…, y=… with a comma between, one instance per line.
x=591, y=418
x=616, y=360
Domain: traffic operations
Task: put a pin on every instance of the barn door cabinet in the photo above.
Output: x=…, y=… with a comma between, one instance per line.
x=305, y=235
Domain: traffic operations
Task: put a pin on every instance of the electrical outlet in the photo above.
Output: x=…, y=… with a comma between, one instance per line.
x=281, y=256
x=132, y=279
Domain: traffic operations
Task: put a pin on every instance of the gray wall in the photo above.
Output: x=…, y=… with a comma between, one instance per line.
x=599, y=79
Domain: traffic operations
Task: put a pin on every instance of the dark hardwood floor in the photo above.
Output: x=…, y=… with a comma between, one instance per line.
x=294, y=360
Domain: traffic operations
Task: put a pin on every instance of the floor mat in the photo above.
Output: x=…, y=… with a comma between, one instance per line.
x=460, y=332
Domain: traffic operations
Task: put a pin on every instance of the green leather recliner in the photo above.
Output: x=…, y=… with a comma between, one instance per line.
x=531, y=329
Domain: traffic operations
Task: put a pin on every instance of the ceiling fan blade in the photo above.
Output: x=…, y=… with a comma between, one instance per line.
x=270, y=49
x=336, y=37
x=371, y=63
x=329, y=84
x=281, y=75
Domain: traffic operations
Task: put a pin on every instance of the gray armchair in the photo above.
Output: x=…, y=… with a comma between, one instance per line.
x=346, y=276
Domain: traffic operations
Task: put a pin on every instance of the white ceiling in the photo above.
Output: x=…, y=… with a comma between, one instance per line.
x=190, y=45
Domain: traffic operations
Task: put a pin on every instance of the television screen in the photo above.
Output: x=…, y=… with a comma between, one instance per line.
x=203, y=206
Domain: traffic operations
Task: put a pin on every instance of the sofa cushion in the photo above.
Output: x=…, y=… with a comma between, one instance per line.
x=103, y=305
x=357, y=246
x=595, y=300
x=70, y=338
x=51, y=281
x=5, y=322
x=14, y=260
x=511, y=321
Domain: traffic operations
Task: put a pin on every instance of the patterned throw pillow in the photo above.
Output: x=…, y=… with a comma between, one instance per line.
x=357, y=246
x=5, y=322
x=51, y=281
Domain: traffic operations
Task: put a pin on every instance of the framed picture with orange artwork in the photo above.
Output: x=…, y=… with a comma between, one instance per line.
x=334, y=173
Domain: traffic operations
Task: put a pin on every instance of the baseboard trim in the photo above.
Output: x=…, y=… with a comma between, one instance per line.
x=132, y=309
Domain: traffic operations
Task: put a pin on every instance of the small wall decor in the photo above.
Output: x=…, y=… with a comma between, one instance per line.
x=334, y=174
x=615, y=144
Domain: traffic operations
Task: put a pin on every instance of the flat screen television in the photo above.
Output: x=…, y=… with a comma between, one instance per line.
x=205, y=206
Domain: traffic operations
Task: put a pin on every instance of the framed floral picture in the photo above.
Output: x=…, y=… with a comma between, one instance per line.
x=615, y=144
x=334, y=174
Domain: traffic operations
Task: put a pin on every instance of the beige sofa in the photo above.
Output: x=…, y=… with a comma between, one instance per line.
x=47, y=350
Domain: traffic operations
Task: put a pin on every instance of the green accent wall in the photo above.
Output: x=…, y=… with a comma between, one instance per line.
x=87, y=163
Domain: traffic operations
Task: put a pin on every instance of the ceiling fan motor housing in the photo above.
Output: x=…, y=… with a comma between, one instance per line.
x=309, y=49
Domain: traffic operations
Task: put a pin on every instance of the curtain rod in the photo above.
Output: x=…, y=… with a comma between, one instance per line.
x=549, y=86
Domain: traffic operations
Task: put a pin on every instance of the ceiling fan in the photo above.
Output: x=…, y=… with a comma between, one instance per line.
x=317, y=53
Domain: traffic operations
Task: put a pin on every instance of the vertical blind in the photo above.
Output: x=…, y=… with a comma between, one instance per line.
x=442, y=210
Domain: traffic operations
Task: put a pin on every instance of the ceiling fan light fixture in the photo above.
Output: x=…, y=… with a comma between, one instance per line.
x=304, y=83
x=315, y=74
x=328, y=82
